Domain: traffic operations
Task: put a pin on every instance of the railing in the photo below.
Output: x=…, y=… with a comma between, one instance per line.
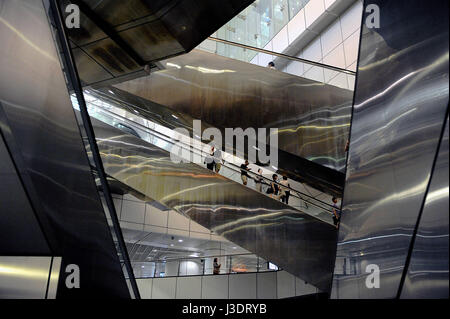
x=298, y=200
x=199, y=266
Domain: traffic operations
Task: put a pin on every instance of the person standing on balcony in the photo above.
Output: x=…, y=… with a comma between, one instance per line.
x=216, y=266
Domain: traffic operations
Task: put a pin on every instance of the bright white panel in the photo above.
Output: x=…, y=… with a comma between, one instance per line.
x=267, y=285
x=351, y=46
x=155, y=229
x=328, y=3
x=164, y=288
x=336, y=57
x=280, y=41
x=199, y=235
x=296, y=26
x=315, y=73
x=313, y=51
x=215, y=287
x=178, y=221
x=133, y=211
x=340, y=81
x=177, y=232
x=155, y=216
x=313, y=10
x=264, y=59
x=193, y=226
x=117, y=205
x=285, y=284
x=242, y=286
x=145, y=287
x=295, y=68
x=131, y=226
x=189, y=287
x=351, y=82
x=331, y=37
x=302, y=288
x=351, y=19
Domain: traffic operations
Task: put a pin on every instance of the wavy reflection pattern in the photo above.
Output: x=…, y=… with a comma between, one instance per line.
x=295, y=241
x=401, y=99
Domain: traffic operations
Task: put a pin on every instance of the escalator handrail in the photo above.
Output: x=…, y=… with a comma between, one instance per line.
x=235, y=168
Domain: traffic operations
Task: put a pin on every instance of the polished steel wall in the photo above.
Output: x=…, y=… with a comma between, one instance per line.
x=313, y=118
x=293, y=240
x=116, y=39
x=401, y=99
x=40, y=129
x=20, y=232
x=27, y=277
x=428, y=269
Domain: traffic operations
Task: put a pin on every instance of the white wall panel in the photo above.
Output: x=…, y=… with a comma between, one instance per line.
x=336, y=57
x=285, y=284
x=296, y=26
x=313, y=10
x=351, y=45
x=315, y=73
x=242, y=286
x=133, y=211
x=313, y=51
x=178, y=221
x=155, y=216
x=351, y=19
x=303, y=288
x=267, y=285
x=215, y=287
x=164, y=288
x=331, y=37
x=189, y=287
x=145, y=287
x=280, y=41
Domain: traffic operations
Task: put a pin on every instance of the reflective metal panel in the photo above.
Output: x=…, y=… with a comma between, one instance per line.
x=295, y=241
x=123, y=36
x=40, y=123
x=24, y=277
x=20, y=233
x=313, y=118
x=401, y=99
x=428, y=269
x=54, y=278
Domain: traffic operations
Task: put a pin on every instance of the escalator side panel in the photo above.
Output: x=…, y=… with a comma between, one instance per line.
x=295, y=241
x=39, y=124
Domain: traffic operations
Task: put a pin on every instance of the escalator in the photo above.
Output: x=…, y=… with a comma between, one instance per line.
x=300, y=239
x=312, y=118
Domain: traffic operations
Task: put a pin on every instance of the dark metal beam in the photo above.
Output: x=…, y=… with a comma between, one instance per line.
x=109, y=31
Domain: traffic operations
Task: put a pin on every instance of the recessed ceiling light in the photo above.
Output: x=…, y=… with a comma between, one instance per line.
x=180, y=240
x=171, y=245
